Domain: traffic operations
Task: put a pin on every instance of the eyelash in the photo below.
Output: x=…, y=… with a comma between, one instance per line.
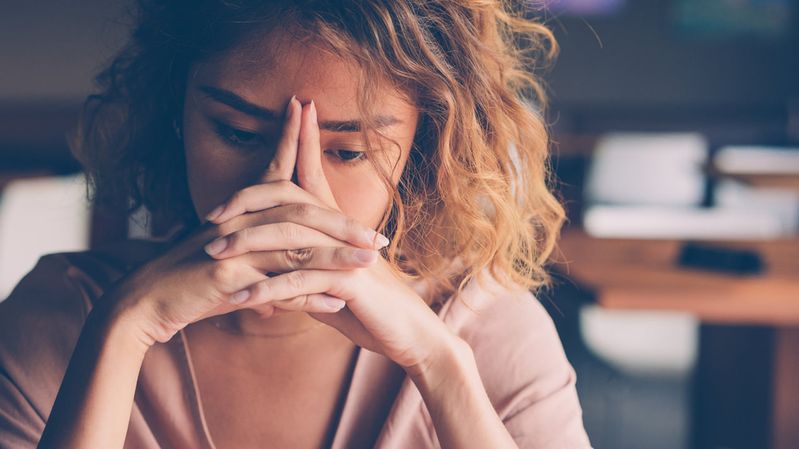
x=361, y=157
x=224, y=132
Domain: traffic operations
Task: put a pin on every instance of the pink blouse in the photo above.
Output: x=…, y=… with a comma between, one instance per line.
x=518, y=353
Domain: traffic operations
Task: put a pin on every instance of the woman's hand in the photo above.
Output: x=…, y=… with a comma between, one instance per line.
x=383, y=314
x=292, y=229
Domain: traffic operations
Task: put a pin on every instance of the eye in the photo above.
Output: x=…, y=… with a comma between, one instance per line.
x=237, y=137
x=349, y=156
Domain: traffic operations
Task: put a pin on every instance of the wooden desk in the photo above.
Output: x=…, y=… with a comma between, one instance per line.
x=641, y=274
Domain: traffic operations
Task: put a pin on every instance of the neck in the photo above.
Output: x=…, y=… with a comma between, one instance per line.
x=282, y=323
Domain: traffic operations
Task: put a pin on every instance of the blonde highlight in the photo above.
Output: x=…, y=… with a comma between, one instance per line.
x=478, y=185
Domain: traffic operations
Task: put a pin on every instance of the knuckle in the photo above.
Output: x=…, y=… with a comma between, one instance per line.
x=295, y=279
x=303, y=210
x=223, y=272
x=341, y=255
x=239, y=239
x=297, y=258
x=290, y=232
x=259, y=290
x=349, y=276
x=265, y=311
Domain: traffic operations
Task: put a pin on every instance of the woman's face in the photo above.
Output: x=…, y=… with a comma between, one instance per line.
x=233, y=117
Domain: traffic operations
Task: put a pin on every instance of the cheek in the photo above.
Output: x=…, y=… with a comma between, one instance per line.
x=364, y=198
x=363, y=195
x=213, y=172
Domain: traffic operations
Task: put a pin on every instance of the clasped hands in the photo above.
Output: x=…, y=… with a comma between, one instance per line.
x=310, y=243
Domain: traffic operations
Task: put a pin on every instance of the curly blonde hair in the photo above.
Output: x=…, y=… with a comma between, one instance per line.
x=477, y=186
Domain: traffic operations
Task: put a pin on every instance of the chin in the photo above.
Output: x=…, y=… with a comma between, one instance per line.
x=262, y=311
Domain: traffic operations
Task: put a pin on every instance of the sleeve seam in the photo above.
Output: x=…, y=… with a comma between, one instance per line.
x=15, y=385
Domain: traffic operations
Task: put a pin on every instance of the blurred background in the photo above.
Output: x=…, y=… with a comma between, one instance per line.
x=676, y=143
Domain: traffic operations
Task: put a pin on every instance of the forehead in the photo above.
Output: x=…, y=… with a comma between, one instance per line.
x=269, y=69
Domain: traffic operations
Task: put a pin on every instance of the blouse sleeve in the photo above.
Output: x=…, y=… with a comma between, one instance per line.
x=526, y=373
x=549, y=421
x=39, y=325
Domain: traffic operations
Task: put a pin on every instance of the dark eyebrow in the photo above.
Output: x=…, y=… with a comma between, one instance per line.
x=236, y=102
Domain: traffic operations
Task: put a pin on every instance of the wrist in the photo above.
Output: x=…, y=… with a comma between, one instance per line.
x=452, y=355
x=121, y=322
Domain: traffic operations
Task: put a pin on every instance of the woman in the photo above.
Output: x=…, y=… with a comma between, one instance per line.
x=274, y=139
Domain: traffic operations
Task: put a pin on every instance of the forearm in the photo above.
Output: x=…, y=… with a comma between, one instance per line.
x=458, y=403
x=93, y=405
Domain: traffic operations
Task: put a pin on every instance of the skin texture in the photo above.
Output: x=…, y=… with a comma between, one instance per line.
x=216, y=169
x=319, y=360
x=298, y=375
x=382, y=314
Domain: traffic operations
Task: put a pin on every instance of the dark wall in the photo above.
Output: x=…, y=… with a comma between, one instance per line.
x=638, y=65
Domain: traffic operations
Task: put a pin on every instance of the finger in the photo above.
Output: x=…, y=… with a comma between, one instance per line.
x=243, y=277
x=282, y=165
x=268, y=237
x=315, y=303
x=264, y=310
x=348, y=324
x=320, y=258
x=331, y=222
x=310, y=174
x=296, y=283
x=264, y=196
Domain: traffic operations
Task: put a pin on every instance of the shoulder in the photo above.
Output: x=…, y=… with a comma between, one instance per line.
x=45, y=300
x=507, y=324
x=521, y=361
x=39, y=324
x=41, y=318
x=68, y=282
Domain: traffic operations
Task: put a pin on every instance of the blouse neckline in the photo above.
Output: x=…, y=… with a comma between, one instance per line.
x=195, y=397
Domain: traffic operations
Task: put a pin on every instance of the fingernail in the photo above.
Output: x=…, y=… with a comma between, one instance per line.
x=382, y=240
x=290, y=107
x=364, y=255
x=313, y=113
x=216, y=247
x=216, y=212
x=239, y=297
x=376, y=238
x=332, y=303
